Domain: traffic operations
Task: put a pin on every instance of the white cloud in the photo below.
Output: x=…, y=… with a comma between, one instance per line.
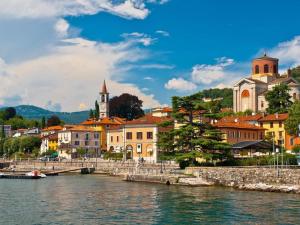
x=148, y=78
x=156, y=66
x=58, y=8
x=158, y=1
x=181, y=85
x=62, y=27
x=207, y=74
x=163, y=33
x=55, y=107
x=137, y=37
x=72, y=74
x=287, y=52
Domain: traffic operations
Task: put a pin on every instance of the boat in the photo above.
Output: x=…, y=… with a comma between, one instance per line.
x=35, y=173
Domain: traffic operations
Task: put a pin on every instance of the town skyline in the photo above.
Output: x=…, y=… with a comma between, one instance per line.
x=137, y=46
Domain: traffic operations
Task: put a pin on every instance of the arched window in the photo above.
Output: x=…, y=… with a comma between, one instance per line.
x=256, y=69
x=245, y=94
x=274, y=69
x=294, y=96
x=266, y=68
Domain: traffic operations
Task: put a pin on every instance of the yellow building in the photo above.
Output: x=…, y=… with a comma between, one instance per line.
x=138, y=137
x=49, y=142
x=102, y=125
x=274, y=125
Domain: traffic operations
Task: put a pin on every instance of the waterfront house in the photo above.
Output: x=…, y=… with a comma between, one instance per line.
x=138, y=136
x=274, y=125
x=161, y=112
x=50, y=130
x=240, y=131
x=49, y=142
x=70, y=139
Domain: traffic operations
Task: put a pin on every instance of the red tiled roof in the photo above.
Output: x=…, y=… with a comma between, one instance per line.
x=104, y=121
x=241, y=118
x=80, y=128
x=148, y=119
x=53, y=128
x=275, y=117
x=238, y=125
x=51, y=137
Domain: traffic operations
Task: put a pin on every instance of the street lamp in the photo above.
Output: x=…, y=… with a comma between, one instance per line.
x=277, y=151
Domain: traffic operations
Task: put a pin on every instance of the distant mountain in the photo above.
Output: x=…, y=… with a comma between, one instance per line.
x=33, y=112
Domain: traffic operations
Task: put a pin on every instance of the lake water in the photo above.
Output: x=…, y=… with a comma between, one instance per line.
x=93, y=199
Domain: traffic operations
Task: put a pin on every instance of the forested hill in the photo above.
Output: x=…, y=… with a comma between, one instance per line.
x=226, y=94
x=33, y=112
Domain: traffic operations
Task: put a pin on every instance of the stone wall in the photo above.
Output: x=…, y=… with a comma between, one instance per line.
x=268, y=179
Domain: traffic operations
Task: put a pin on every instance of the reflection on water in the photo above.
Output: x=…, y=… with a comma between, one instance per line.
x=106, y=200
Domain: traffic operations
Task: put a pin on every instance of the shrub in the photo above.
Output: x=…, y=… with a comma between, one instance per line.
x=113, y=155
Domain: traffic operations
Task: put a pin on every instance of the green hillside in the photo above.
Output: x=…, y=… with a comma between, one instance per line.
x=33, y=112
x=226, y=94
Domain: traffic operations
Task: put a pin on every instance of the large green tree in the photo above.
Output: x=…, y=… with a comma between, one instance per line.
x=293, y=122
x=97, y=110
x=192, y=134
x=53, y=121
x=279, y=99
x=126, y=106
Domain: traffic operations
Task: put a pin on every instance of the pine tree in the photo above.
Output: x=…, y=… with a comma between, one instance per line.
x=97, y=110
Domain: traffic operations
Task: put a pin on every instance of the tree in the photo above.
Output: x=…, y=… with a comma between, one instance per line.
x=192, y=135
x=292, y=123
x=126, y=106
x=53, y=121
x=91, y=116
x=43, y=122
x=9, y=113
x=279, y=99
x=97, y=110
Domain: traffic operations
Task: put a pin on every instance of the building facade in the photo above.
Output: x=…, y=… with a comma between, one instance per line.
x=249, y=93
x=7, y=130
x=138, y=136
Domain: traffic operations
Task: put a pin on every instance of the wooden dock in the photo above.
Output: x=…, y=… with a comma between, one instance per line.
x=18, y=176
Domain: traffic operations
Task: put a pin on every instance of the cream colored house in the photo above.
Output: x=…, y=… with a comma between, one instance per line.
x=138, y=137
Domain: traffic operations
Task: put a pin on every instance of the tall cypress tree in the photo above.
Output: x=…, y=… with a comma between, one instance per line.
x=97, y=110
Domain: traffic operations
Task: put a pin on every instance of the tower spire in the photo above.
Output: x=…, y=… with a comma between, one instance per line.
x=104, y=89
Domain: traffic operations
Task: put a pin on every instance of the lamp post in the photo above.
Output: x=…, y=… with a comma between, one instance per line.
x=277, y=151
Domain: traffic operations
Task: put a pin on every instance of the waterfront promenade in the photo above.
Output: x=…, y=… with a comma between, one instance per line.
x=265, y=178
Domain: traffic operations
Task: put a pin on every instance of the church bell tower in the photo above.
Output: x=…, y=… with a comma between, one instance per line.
x=104, y=102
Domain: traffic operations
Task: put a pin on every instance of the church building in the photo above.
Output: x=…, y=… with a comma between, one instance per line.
x=104, y=102
x=249, y=93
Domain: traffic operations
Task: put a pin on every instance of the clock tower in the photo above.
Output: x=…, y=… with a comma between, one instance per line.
x=104, y=102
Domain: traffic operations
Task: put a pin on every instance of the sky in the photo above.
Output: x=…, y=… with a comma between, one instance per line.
x=56, y=53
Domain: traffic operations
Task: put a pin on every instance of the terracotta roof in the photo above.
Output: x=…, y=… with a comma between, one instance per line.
x=195, y=112
x=265, y=57
x=104, y=121
x=53, y=128
x=238, y=125
x=256, y=81
x=275, y=117
x=284, y=79
x=167, y=109
x=241, y=118
x=148, y=119
x=79, y=128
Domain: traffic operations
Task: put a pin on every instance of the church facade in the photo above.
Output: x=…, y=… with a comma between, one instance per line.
x=249, y=93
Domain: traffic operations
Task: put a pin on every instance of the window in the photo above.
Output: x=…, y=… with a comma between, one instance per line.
x=139, y=135
x=96, y=143
x=86, y=136
x=96, y=135
x=76, y=142
x=249, y=135
x=280, y=134
x=280, y=123
x=261, y=135
x=271, y=124
x=111, y=139
x=253, y=136
x=149, y=135
x=77, y=135
x=86, y=143
x=102, y=98
x=262, y=105
x=292, y=141
x=129, y=135
x=256, y=69
x=266, y=68
x=261, y=124
x=245, y=135
x=117, y=138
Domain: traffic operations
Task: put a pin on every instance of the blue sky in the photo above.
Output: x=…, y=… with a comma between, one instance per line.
x=151, y=48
